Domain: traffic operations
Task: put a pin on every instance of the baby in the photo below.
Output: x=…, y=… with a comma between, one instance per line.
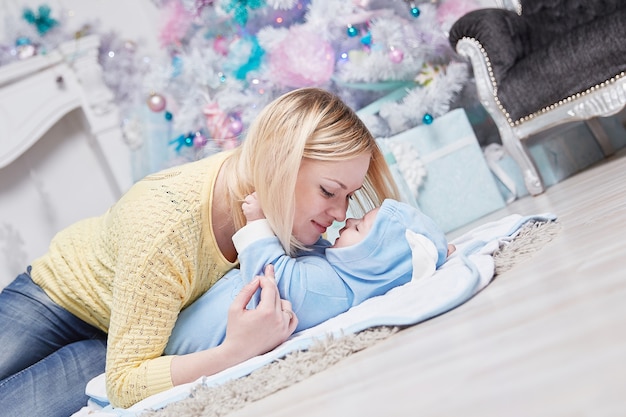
x=387, y=247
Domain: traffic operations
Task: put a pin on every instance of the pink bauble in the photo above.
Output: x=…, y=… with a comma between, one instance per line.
x=235, y=127
x=156, y=102
x=396, y=56
x=199, y=140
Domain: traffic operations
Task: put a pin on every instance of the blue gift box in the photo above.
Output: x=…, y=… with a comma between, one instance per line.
x=558, y=154
x=458, y=186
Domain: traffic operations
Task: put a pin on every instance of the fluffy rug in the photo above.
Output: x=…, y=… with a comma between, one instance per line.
x=233, y=395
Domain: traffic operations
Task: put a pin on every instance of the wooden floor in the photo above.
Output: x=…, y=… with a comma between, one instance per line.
x=547, y=338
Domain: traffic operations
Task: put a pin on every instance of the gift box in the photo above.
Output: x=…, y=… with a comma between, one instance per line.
x=447, y=176
x=558, y=153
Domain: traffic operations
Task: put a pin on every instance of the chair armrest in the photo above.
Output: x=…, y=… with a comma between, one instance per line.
x=502, y=33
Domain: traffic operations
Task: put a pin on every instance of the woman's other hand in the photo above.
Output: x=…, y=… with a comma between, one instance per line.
x=254, y=332
x=248, y=333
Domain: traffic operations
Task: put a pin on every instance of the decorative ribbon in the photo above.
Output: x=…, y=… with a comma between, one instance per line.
x=42, y=21
x=219, y=125
x=493, y=153
x=240, y=8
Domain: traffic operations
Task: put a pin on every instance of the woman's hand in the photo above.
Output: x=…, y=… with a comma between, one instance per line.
x=257, y=331
x=248, y=333
x=252, y=208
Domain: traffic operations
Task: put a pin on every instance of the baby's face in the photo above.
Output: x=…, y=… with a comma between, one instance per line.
x=355, y=230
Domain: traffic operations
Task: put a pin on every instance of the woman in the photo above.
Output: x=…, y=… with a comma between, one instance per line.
x=113, y=286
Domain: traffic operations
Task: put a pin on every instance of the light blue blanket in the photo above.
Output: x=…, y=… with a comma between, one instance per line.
x=465, y=273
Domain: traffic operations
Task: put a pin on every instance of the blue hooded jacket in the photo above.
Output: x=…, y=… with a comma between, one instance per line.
x=320, y=283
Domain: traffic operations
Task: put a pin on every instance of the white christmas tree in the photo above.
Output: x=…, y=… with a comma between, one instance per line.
x=227, y=59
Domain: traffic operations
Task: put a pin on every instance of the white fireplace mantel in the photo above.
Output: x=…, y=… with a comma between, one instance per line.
x=37, y=92
x=62, y=153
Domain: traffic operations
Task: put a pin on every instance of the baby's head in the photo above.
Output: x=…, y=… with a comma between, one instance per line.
x=380, y=234
x=356, y=230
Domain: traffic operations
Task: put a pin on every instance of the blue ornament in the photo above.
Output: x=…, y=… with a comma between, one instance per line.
x=168, y=116
x=352, y=31
x=428, y=118
x=415, y=11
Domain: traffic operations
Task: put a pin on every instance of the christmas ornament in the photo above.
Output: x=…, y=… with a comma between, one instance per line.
x=395, y=55
x=26, y=51
x=415, y=11
x=236, y=127
x=24, y=48
x=156, y=102
x=199, y=140
x=352, y=31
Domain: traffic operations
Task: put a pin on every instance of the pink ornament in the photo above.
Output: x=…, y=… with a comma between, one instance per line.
x=302, y=59
x=235, y=127
x=199, y=140
x=396, y=56
x=156, y=102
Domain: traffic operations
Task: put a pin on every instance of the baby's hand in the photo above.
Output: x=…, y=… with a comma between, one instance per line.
x=251, y=208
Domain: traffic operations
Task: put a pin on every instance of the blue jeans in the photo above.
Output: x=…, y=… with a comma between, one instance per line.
x=47, y=355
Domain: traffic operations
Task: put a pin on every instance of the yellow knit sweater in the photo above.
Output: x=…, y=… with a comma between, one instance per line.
x=132, y=270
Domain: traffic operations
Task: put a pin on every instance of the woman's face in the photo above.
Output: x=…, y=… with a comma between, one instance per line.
x=323, y=190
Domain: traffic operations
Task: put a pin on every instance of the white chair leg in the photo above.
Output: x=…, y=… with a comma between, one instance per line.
x=600, y=135
x=519, y=153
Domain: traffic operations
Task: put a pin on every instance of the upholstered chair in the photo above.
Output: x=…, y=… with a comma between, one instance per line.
x=541, y=63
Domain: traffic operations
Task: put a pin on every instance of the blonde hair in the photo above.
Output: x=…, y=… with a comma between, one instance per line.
x=305, y=123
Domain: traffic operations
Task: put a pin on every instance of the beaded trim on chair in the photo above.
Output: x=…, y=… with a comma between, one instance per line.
x=576, y=96
x=524, y=119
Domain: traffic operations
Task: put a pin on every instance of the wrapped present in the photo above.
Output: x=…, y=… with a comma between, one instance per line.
x=558, y=154
x=456, y=186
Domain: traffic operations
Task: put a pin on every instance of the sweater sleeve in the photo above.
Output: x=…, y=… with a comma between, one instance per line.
x=147, y=296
